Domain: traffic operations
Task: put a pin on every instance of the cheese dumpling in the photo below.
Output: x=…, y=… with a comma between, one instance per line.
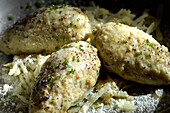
x=46, y=29
x=132, y=54
x=65, y=78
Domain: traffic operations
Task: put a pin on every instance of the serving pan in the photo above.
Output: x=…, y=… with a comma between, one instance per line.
x=18, y=9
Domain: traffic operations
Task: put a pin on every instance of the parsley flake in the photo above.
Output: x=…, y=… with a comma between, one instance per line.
x=138, y=53
x=51, y=79
x=78, y=60
x=64, y=39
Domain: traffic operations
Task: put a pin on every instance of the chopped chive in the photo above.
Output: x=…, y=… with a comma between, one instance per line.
x=149, y=56
x=69, y=45
x=32, y=55
x=71, y=24
x=48, y=38
x=5, y=96
x=80, y=48
x=60, y=12
x=88, y=42
x=66, y=46
x=66, y=66
x=69, y=72
x=61, y=47
x=43, y=53
x=93, y=33
x=117, y=23
x=52, y=64
x=29, y=5
x=56, y=48
x=63, y=5
x=66, y=61
x=148, y=43
x=72, y=71
x=124, y=41
x=51, y=79
x=138, y=53
x=77, y=105
x=56, y=7
x=78, y=60
x=59, y=76
x=77, y=41
x=59, y=37
x=10, y=18
x=64, y=39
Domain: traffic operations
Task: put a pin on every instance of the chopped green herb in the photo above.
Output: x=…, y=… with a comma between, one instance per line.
x=66, y=66
x=10, y=18
x=136, y=62
x=32, y=55
x=80, y=48
x=72, y=71
x=117, y=23
x=53, y=64
x=69, y=45
x=77, y=105
x=66, y=61
x=74, y=58
x=78, y=19
x=51, y=79
x=118, y=41
x=77, y=41
x=124, y=41
x=149, y=56
x=66, y=46
x=64, y=39
x=48, y=38
x=60, y=12
x=29, y=5
x=39, y=4
x=61, y=47
x=58, y=37
x=5, y=96
x=69, y=72
x=138, y=53
x=88, y=42
x=71, y=24
x=78, y=60
x=59, y=76
x=56, y=48
x=148, y=43
x=63, y=5
x=43, y=53
x=56, y=7
x=93, y=33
